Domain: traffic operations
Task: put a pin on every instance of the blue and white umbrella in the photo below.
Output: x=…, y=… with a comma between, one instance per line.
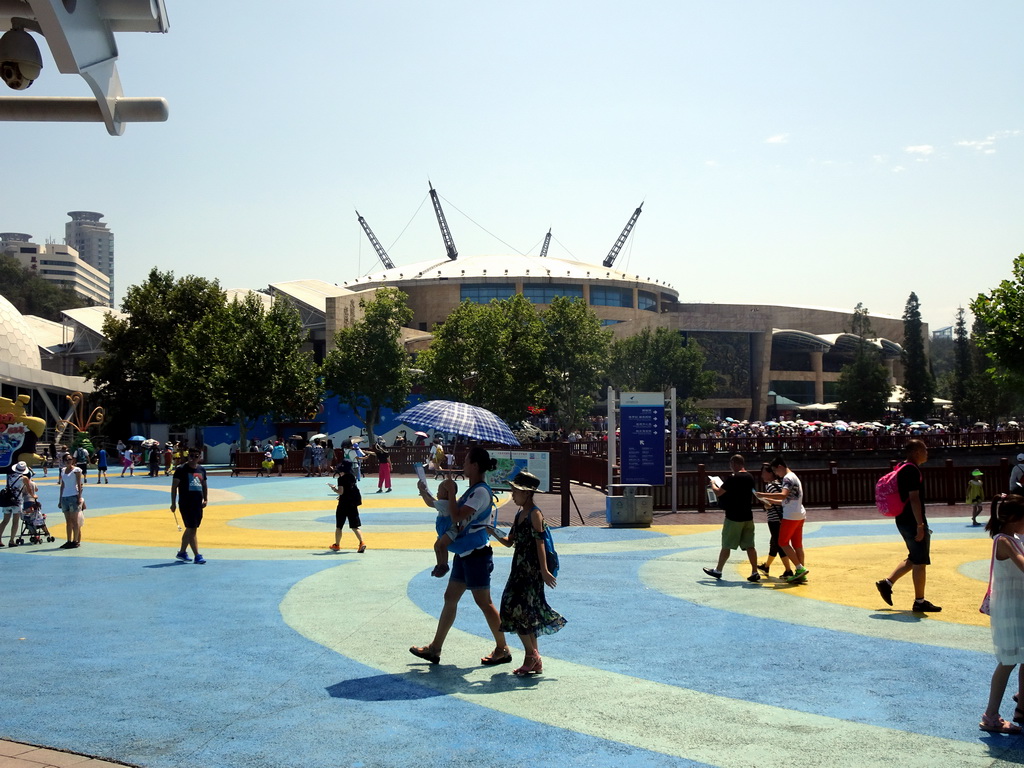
x=459, y=419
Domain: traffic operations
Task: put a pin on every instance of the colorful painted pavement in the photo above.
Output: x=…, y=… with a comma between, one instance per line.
x=278, y=652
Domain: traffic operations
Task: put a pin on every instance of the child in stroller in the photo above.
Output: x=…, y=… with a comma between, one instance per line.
x=33, y=521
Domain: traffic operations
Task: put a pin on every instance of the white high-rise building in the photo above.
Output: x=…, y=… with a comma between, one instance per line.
x=94, y=243
x=59, y=264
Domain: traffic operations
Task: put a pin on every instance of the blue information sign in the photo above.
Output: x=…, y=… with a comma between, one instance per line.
x=642, y=438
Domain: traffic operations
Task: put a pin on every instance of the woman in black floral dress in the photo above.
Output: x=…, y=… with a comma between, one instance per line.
x=524, y=610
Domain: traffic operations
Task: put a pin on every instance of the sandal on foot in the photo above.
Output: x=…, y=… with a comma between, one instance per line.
x=531, y=666
x=425, y=652
x=997, y=725
x=1018, y=715
x=439, y=571
x=495, y=658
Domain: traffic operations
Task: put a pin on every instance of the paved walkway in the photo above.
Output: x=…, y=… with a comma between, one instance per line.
x=279, y=653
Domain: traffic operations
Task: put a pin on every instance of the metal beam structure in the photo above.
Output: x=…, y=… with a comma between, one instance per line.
x=381, y=253
x=446, y=235
x=80, y=35
x=609, y=260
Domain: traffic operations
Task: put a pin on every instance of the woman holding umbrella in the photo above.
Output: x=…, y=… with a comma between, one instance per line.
x=472, y=564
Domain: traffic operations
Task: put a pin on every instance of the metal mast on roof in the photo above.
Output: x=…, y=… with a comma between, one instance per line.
x=610, y=258
x=381, y=253
x=446, y=235
x=547, y=242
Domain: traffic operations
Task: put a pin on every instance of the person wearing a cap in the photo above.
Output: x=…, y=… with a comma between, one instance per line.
x=524, y=609
x=975, y=495
x=17, y=482
x=1017, y=476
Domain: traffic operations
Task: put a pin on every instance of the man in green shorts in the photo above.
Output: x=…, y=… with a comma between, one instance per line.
x=736, y=498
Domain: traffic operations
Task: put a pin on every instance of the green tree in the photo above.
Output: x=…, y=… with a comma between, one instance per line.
x=1001, y=312
x=244, y=364
x=575, y=358
x=31, y=294
x=990, y=392
x=656, y=361
x=490, y=355
x=918, y=384
x=863, y=385
x=138, y=349
x=963, y=366
x=369, y=368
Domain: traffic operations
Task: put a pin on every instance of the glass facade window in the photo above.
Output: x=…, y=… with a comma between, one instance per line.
x=647, y=300
x=610, y=322
x=601, y=296
x=545, y=293
x=484, y=293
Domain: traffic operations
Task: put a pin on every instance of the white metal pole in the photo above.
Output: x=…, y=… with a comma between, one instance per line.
x=674, y=421
x=612, y=447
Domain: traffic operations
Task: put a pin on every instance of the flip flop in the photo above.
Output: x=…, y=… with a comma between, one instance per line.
x=998, y=726
x=424, y=652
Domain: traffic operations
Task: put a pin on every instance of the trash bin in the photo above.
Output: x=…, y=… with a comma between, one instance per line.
x=630, y=510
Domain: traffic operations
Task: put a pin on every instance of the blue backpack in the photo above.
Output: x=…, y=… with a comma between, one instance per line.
x=549, y=551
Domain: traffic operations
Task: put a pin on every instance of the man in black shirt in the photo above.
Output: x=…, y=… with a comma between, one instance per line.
x=736, y=497
x=913, y=527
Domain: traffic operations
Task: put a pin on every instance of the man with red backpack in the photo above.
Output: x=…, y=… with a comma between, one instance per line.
x=913, y=527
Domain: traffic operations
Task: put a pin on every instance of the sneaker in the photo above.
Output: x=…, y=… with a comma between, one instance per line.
x=380, y=490
x=712, y=573
x=763, y=568
x=754, y=577
x=786, y=574
x=798, y=575
x=885, y=590
x=362, y=548
x=200, y=560
x=183, y=556
x=923, y=606
x=388, y=491
x=334, y=547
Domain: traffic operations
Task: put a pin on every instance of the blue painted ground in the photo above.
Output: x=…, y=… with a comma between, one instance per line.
x=118, y=652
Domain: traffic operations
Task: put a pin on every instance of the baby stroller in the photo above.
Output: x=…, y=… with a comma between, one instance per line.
x=33, y=524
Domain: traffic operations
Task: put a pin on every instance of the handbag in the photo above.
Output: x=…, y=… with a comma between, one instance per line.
x=986, y=602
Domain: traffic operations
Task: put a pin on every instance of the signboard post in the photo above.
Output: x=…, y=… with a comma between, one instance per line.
x=643, y=438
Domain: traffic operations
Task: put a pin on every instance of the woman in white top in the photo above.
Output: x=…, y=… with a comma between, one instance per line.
x=71, y=501
x=1006, y=608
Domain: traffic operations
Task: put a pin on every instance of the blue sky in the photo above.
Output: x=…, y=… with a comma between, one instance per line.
x=787, y=152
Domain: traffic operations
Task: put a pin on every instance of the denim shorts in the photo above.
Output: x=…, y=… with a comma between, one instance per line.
x=474, y=569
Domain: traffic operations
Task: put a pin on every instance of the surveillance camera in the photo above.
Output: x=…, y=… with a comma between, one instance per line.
x=20, y=60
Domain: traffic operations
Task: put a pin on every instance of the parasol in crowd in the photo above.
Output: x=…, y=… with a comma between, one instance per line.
x=136, y=439
x=460, y=419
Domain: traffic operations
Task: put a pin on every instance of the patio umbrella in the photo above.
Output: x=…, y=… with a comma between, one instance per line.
x=136, y=439
x=319, y=436
x=461, y=419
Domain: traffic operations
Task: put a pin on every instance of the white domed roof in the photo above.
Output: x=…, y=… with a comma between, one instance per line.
x=16, y=341
x=503, y=267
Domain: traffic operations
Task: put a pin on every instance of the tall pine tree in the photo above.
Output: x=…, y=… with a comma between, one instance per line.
x=963, y=367
x=918, y=384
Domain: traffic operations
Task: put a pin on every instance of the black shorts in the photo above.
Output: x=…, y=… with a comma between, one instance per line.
x=474, y=568
x=191, y=515
x=918, y=552
x=351, y=515
x=278, y=462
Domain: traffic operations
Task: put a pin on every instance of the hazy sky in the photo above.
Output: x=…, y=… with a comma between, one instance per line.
x=819, y=153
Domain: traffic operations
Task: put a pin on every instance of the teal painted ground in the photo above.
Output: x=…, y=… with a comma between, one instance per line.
x=272, y=659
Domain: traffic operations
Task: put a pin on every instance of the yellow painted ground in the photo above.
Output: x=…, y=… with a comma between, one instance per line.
x=683, y=530
x=846, y=574
x=157, y=528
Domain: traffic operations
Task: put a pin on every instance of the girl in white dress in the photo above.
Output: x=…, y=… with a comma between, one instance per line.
x=1006, y=527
